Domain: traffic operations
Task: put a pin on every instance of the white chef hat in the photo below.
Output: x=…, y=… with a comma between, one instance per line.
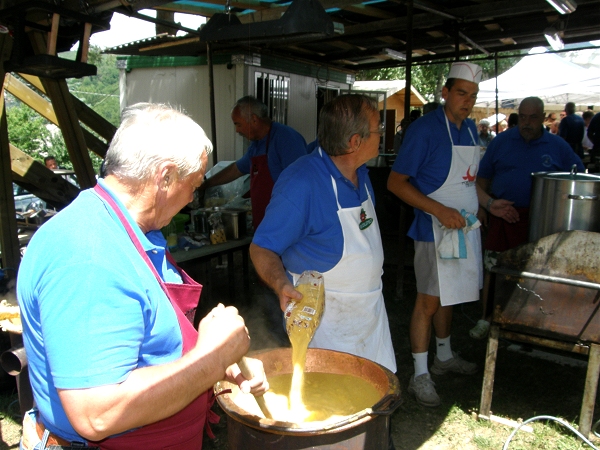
x=465, y=71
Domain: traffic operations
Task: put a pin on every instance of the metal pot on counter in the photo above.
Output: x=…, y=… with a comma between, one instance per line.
x=562, y=201
x=365, y=430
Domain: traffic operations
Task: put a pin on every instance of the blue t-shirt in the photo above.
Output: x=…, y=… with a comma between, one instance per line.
x=509, y=162
x=572, y=129
x=301, y=223
x=425, y=156
x=92, y=310
x=286, y=145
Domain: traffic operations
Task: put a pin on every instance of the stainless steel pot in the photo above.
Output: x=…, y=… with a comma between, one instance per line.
x=562, y=201
x=365, y=430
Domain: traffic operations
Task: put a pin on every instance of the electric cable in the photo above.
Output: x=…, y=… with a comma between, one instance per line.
x=556, y=419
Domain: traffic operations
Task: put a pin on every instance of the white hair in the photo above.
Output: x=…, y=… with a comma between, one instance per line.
x=151, y=134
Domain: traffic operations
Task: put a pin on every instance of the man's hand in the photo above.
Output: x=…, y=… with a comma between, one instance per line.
x=450, y=218
x=223, y=330
x=288, y=294
x=257, y=385
x=505, y=210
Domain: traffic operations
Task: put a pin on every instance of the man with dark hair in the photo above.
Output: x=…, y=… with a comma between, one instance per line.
x=50, y=162
x=587, y=118
x=435, y=173
x=274, y=147
x=572, y=129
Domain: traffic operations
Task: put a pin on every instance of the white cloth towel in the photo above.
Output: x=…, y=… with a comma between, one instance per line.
x=452, y=245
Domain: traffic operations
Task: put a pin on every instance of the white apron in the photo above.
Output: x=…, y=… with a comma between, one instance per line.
x=460, y=279
x=355, y=320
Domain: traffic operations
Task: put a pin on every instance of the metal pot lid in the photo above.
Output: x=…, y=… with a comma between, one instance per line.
x=567, y=176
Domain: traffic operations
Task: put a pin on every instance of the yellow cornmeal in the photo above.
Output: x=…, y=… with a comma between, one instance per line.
x=325, y=396
x=302, y=320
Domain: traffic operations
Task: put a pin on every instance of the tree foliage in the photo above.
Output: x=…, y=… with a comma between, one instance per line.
x=429, y=78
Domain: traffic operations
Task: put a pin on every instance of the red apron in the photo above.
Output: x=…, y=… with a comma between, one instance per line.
x=503, y=236
x=261, y=184
x=184, y=430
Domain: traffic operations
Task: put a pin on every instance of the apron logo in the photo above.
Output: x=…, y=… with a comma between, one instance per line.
x=470, y=178
x=364, y=222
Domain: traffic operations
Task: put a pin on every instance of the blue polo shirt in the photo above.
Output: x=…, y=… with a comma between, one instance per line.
x=301, y=223
x=92, y=310
x=509, y=162
x=286, y=145
x=425, y=156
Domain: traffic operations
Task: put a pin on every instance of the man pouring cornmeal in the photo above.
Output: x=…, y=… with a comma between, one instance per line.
x=322, y=217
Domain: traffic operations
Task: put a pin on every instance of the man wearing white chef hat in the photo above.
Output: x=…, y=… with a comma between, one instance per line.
x=435, y=172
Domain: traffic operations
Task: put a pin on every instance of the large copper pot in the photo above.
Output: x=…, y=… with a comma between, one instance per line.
x=367, y=429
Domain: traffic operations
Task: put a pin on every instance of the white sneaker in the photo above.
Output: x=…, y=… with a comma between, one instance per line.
x=480, y=330
x=423, y=389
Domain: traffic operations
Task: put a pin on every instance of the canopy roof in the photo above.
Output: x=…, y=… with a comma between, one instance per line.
x=548, y=76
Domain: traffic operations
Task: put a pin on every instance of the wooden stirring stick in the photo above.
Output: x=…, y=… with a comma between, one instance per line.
x=247, y=372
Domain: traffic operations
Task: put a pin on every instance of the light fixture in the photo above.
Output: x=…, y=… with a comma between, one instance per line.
x=393, y=54
x=563, y=6
x=553, y=38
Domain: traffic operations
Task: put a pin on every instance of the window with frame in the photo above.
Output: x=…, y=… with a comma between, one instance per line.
x=274, y=91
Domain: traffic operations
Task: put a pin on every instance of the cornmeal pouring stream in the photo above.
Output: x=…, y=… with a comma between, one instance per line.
x=302, y=319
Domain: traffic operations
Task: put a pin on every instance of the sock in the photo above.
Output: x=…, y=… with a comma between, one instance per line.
x=444, y=350
x=420, y=361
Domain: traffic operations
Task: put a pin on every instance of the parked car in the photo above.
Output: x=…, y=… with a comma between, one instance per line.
x=26, y=201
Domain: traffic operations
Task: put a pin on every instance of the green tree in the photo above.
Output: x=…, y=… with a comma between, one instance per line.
x=429, y=78
x=101, y=91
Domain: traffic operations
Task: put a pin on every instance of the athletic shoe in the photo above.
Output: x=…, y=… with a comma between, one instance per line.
x=423, y=389
x=481, y=330
x=456, y=365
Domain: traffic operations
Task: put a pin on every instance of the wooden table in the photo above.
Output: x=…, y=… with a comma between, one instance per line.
x=202, y=256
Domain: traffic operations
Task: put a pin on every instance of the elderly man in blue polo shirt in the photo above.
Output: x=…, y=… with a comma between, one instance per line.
x=322, y=217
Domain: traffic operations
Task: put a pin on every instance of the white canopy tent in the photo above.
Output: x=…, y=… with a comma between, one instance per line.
x=546, y=75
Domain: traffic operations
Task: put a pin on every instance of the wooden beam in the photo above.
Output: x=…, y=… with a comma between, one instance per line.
x=43, y=107
x=86, y=114
x=41, y=181
x=64, y=108
x=9, y=238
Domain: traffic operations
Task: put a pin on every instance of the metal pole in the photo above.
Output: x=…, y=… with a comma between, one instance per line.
x=496, y=75
x=409, y=44
x=211, y=84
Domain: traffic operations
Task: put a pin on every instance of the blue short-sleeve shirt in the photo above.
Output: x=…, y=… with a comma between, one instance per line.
x=425, y=156
x=509, y=162
x=301, y=222
x=92, y=310
x=286, y=145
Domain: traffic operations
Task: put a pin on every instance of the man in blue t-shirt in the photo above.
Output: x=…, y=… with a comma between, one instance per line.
x=572, y=129
x=505, y=173
x=274, y=147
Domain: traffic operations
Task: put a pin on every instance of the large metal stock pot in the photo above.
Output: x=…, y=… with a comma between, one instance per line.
x=562, y=201
x=367, y=429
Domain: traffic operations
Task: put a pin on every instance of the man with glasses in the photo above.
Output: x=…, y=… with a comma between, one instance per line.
x=322, y=217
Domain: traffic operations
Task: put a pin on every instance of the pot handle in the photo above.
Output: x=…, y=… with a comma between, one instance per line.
x=582, y=197
x=389, y=403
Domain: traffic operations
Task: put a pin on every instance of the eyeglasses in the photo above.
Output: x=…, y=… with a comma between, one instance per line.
x=380, y=129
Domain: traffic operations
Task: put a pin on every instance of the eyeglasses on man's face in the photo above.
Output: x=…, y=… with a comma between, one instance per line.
x=380, y=129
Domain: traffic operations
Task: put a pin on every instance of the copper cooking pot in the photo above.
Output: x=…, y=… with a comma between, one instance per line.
x=367, y=429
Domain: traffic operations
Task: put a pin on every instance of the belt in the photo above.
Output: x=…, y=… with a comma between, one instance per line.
x=52, y=439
